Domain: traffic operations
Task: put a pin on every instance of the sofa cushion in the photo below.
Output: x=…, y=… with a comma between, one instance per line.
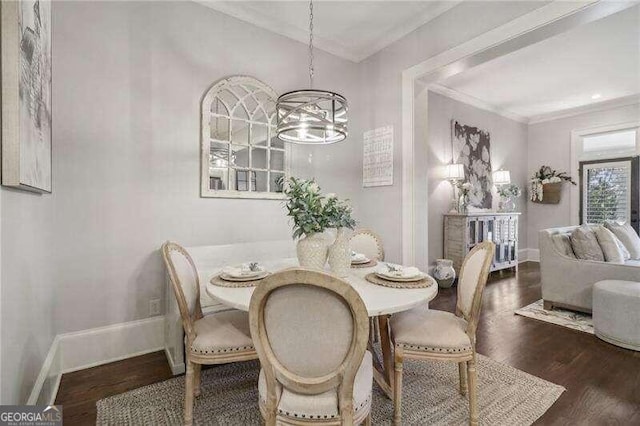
x=627, y=235
x=562, y=243
x=585, y=244
x=609, y=245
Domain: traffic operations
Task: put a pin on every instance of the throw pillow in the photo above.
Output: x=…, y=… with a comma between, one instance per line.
x=585, y=244
x=608, y=244
x=627, y=235
x=563, y=244
x=625, y=253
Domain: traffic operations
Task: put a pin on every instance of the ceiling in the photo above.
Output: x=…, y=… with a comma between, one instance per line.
x=564, y=72
x=353, y=30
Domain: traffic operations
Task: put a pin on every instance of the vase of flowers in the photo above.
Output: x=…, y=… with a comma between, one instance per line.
x=463, y=199
x=339, y=216
x=306, y=206
x=508, y=193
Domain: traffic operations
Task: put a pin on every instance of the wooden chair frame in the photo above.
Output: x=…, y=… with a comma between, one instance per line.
x=466, y=361
x=342, y=378
x=194, y=361
x=375, y=237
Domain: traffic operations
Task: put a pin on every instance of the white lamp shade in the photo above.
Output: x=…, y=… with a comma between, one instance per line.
x=455, y=172
x=501, y=177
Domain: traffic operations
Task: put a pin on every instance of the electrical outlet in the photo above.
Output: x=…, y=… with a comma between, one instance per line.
x=154, y=307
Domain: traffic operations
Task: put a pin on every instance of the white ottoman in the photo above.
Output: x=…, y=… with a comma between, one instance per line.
x=616, y=312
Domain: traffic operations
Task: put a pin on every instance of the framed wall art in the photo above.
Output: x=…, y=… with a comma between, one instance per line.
x=26, y=95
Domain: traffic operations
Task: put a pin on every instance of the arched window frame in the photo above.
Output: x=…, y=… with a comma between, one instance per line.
x=243, y=101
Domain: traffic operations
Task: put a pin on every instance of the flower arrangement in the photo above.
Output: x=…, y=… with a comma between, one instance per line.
x=311, y=211
x=464, y=188
x=546, y=175
x=509, y=191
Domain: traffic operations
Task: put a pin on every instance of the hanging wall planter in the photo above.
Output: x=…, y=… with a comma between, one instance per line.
x=546, y=185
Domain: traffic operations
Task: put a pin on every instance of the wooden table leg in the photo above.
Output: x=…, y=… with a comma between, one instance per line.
x=383, y=371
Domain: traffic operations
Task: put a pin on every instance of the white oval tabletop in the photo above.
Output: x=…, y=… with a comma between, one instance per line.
x=379, y=300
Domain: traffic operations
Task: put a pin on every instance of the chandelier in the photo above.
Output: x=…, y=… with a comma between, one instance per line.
x=311, y=116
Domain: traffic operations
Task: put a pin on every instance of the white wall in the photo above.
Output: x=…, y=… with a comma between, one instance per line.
x=550, y=144
x=508, y=151
x=381, y=76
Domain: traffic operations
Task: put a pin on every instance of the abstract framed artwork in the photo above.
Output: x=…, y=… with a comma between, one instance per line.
x=26, y=95
x=472, y=148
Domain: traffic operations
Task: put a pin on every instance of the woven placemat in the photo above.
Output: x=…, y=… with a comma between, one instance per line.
x=217, y=280
x=423, y=283
x=369, y=264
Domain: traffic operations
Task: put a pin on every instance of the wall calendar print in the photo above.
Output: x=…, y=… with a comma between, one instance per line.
x=377, y=161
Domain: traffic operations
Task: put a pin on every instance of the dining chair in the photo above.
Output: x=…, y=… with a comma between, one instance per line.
x=431, y=335
x=218, y=338
x=310, y=331
x=368, y=243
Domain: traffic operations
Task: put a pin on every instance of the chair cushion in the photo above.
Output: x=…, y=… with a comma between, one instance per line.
x=430, y=331
x=324, y=405
x=222, y=332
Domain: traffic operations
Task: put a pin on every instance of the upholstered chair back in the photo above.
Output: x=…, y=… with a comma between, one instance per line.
x=473, y=278
x=368, y=243
x=310, y=330
x=184, y=280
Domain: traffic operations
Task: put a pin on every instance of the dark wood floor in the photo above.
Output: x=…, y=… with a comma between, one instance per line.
x=602, y=381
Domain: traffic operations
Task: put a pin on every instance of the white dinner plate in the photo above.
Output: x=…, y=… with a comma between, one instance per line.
x=398, y=279
x=260, y=275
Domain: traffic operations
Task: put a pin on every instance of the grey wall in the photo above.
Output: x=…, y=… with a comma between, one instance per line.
x=28, y=293
x=508, y=151
x=550, y=144
x=128, y=78
x=381, y=76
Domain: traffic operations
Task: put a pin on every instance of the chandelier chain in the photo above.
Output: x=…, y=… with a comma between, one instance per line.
x=311, y=44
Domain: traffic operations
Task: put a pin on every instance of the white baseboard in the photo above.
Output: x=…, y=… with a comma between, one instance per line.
x=46, y=386
x=528, y=255
x=89, y=348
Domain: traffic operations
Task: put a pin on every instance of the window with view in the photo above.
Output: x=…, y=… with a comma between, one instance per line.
x=609, y=175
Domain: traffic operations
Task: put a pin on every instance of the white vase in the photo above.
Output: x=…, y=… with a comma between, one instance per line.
x=444, y=273
x=312, y=251
x=340, y=254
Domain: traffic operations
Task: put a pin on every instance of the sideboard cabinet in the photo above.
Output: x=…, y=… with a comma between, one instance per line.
x=463, y=231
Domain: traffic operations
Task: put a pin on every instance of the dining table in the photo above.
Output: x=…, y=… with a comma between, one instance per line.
x=380, y=301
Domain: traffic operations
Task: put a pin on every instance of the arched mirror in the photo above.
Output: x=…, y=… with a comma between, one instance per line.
x=241, y=157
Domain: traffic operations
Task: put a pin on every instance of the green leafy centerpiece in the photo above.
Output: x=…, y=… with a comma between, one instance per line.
x=312, y=214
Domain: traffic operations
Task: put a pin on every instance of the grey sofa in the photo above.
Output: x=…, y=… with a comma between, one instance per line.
x=567, y=282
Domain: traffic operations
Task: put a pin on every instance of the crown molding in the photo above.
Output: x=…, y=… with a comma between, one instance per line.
x=475, y=102
x=245, y=13
x=596, y=107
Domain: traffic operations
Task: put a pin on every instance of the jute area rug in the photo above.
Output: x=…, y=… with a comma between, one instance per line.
x=574, y=320
x=507, y=396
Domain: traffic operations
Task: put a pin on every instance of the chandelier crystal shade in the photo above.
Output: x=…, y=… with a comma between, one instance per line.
x=311, y=116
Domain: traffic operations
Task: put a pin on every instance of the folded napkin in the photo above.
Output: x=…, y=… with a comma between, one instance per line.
x=393, y=270
x=357, y=257
x=244, y=270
